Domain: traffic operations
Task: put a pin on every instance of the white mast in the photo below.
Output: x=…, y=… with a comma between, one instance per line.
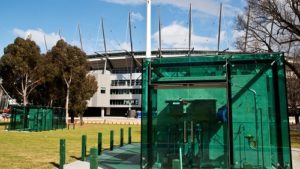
x=220, y=22
x=148, y=30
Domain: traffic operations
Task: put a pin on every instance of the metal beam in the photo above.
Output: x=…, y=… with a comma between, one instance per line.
x=266, y=61
x=135, y=61
x=188, y=82
x=229, y=114
x=150, y=120
x=108, y=60
x=277, y=115
x=189, y=85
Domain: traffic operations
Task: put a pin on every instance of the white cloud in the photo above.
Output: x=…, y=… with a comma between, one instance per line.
x=210, y=7
x=136, y=16
x=115, y=45
x=37, y=35
x=236, y=34
x=176, y=36
x=125, y=46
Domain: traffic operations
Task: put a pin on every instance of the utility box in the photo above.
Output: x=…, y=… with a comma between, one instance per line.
x=32, y=118
x=215, y=111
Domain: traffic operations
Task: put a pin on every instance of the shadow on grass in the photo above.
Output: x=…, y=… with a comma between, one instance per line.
x=4, y=123
x=76, y=158
x=56, y=165
x=135, y=142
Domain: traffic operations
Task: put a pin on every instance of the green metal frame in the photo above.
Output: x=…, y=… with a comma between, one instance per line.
x=222, y=111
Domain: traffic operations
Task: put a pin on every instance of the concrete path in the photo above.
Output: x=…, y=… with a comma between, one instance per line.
x=128, y=157
x=78, y=165
x=296, y=158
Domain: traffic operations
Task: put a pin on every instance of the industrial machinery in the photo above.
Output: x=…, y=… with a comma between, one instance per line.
x=223, y=111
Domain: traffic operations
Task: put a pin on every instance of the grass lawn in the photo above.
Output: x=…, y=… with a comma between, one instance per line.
x=295, y=139
x=27, y=150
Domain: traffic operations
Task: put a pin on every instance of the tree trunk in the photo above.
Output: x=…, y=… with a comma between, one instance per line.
x=81, y=119
x=25, y=102
x=67, y=105
x=297, y=118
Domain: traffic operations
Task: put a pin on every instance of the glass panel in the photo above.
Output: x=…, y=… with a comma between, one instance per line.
x=187, y=119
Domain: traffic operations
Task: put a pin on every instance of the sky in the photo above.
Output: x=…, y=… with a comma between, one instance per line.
x=44, y=19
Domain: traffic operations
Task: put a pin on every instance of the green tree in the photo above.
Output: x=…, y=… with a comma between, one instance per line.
x=22, y=68
x=72, y=67
x=82, y=90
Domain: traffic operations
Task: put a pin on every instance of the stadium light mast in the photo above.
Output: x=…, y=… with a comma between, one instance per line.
x=104, y=43
x=220, y=23
x=148, y=30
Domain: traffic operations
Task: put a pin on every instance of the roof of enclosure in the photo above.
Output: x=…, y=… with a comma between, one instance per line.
x=122, y=59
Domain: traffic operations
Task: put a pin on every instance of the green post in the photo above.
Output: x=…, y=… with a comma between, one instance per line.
x=93, y=158
x=121, y=137
x=180, y=158
x=175, y=164
x=83, y=148
x=111, y=140
x=99, y=143
x=129, y=135
x=62, y=153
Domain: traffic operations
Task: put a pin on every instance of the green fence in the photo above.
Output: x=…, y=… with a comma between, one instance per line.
x=221, y=111
x=33, y=118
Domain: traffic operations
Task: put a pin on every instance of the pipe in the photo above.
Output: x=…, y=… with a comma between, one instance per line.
x=184, y=132
x=262, y=140
x=180, y=158
x=256, y=123
x=192, y=132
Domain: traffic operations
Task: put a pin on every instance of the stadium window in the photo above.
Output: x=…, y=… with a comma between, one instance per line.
x=102, y=90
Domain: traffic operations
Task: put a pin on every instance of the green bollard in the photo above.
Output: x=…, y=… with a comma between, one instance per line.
x=62, y=153
x=180, y=158
x=93, y=158
x=121, y=137
x=175, y=164
x=83, y=148
x=111, y=140
x=129, y=135
x=99, y=143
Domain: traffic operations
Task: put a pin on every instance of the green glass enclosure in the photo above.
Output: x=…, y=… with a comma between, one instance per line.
x=32, y=118
x=220, y=111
